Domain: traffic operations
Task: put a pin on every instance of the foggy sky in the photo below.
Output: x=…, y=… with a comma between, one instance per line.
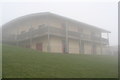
x=100, y=14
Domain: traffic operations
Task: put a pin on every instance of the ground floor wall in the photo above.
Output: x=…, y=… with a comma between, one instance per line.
x=73, y=46
x=40, y=44
x=57, y=45
x=87, y=48
x=98, y=49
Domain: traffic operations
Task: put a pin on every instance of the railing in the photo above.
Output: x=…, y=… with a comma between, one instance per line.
x=32, y=33
x=95, y=39
x=85, y=37
x=99, y=40
x=56, y=31
x=73, y=34
x=59, y=32
x=38, y=32
x=9, y=38
x=104, y=41
x=23, y=36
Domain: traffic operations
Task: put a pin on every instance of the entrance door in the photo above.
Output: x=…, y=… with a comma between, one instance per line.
x=39, y=46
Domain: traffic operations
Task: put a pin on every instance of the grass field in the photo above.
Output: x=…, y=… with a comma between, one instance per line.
x=27, y=63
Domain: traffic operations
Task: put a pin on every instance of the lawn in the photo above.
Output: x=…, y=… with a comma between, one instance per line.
x=26, y=63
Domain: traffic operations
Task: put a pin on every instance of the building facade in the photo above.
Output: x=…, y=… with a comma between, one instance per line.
x=49, y=32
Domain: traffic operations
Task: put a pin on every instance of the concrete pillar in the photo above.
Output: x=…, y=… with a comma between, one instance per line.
x=30, y=36
x=80, y=46
x=108, y=47
x=79, y=42
x=16, y=38
x=48, y=37
x=66, y=38
x=101, y=44
x=31, y=42
x=108, y=37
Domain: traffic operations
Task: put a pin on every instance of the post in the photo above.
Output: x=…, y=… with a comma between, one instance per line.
x=101, y=44
x=79, y=46
x=30, y=41
x=16, y=38
x=108, y=38
x=30, y=37
x=79, y=42
x=48, y=47
x=108, y=48
x=66, y=38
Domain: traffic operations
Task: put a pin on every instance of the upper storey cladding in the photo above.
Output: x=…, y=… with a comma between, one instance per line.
x=48, y=16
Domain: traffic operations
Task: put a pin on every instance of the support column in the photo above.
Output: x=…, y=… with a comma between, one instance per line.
x=48, y=47
x=29, y=36
x=66, y=38
x=101, y=44
x=108, y=38
x=30, y=42
x=79, y=46
x=108, y=47
x=82, y=47
x=79, y=42
x=16, y=38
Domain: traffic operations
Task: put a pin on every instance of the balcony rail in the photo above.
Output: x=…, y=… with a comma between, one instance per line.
x=85, y=37
x=59, y=32
x=104, y=41
x=56, y=31
x=32, y=33
x=74, y=34
x=99, y=39
x=38, y=32
x=10, y=38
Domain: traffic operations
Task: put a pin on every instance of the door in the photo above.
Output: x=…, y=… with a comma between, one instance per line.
x=39, y=46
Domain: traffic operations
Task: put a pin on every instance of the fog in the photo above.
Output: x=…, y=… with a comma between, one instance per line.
x=102, y=14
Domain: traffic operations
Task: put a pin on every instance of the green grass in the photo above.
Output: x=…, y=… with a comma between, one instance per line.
x=26, y=63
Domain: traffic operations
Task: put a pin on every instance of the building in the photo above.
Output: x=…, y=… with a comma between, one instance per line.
x=49, y=32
